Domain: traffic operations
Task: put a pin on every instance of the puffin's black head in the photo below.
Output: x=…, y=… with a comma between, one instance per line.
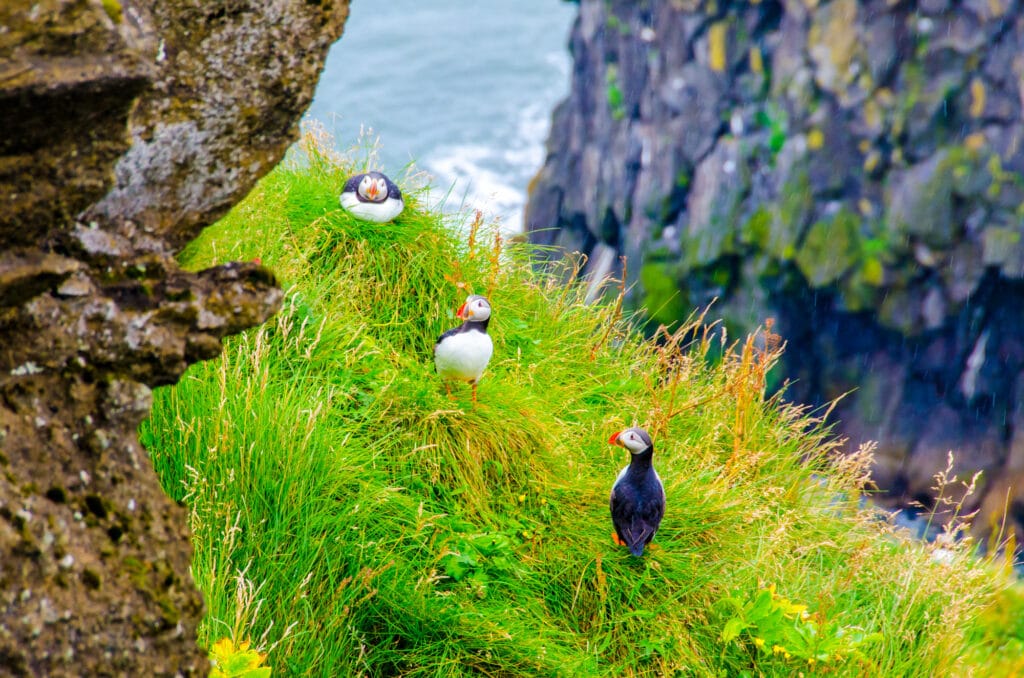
x=635, y=439
x=476, y=308
x=373, y=187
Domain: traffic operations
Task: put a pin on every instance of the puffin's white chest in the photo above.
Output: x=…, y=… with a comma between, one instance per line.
x=464, y=355
x=371, y=211
x=622, y=474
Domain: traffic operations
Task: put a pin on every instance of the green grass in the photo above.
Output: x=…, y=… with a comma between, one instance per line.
x=350, y=519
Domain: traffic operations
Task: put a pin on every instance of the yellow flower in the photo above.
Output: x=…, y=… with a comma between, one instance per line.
x=758, y=641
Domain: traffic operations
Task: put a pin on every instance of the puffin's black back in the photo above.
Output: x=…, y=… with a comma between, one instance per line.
x=638, y=503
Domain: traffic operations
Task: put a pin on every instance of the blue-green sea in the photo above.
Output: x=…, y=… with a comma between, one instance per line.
x=463, y=88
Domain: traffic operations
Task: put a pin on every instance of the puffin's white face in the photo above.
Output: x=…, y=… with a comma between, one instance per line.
x=374, y=189
x=636, y=440
x=475, y=308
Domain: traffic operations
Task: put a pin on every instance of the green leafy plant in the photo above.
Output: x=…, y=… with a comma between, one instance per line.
x=480, y=558
x=237, y=661
x=771, y=629
x=616, y=100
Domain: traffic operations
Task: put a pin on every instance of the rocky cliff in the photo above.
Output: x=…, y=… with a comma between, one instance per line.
x=126, y=128
x=852, y=168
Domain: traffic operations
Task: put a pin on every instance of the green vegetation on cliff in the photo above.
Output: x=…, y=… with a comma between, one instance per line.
x=351, y=519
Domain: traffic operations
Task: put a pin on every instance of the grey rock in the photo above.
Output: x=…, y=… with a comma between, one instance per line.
x=920, y=201
x=718, y=186
x=191, y=101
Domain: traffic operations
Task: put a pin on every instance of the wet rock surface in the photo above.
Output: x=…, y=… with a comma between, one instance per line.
x=852, y=168
x=189, y=103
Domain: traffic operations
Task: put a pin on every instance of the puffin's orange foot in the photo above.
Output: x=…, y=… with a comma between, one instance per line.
x=653, y=547
x=616, y=540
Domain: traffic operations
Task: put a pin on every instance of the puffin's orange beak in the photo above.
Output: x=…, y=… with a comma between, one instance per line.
x=614, y=440
x=461, y=313
x=372, y=191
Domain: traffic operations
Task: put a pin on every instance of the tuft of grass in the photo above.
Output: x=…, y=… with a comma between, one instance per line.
x=350, y=519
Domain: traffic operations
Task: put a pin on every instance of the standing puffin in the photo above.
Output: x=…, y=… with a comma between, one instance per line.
x=638, y=497
x=372, y=197
x=463, y=352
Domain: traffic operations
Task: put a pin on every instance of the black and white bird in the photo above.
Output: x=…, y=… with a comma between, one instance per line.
x=638, y=497
x=372, y=197
x=463, y=352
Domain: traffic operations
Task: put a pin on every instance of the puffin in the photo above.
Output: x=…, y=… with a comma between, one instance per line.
x=637, y=499
x=372, y=197
x=464, y=351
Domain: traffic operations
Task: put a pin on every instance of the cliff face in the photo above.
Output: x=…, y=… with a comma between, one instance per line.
x=190, y=102
x=851, y=168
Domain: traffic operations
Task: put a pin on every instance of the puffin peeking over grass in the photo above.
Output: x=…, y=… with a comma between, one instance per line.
x=638, y=497
x=372, y=197
x=463, y=352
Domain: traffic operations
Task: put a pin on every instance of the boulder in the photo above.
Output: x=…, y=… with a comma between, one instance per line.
x=128, y=127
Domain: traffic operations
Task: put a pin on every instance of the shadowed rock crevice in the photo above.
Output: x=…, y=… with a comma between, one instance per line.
x=191, y=103
x=852, y=168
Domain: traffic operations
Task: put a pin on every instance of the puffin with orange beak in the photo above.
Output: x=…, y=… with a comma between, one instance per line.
x=638, y=497
x=463, y=352
x=372, y=197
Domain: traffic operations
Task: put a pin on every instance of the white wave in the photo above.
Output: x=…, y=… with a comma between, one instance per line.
x=467, y=170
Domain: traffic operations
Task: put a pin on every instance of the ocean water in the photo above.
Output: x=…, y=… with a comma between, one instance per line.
x=464, y=89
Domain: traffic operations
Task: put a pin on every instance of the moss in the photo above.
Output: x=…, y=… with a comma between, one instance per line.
x=717, y=38
x=613, y=92
x=830, y=249
x=616, y=24
x=757, y=229
x=815, y=139
x=711, y=243
x=977, y=97
x=860, y=290
x=790, y=216
x=113, y=10
x=872, y=272
x=756, y=60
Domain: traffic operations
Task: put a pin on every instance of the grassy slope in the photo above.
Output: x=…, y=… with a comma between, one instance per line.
x=351, y=517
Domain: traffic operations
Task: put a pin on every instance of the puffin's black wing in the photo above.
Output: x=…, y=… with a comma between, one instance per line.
x=637, y=515
x=450, y=333
x=393, y=190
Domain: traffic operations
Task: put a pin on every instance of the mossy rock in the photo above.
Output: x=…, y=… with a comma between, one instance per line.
x=1003, y=246
x=859, y=291
x=920, y=200
x=719, y=186
x=790, y=215
x=830, y=249
x=756, y=231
